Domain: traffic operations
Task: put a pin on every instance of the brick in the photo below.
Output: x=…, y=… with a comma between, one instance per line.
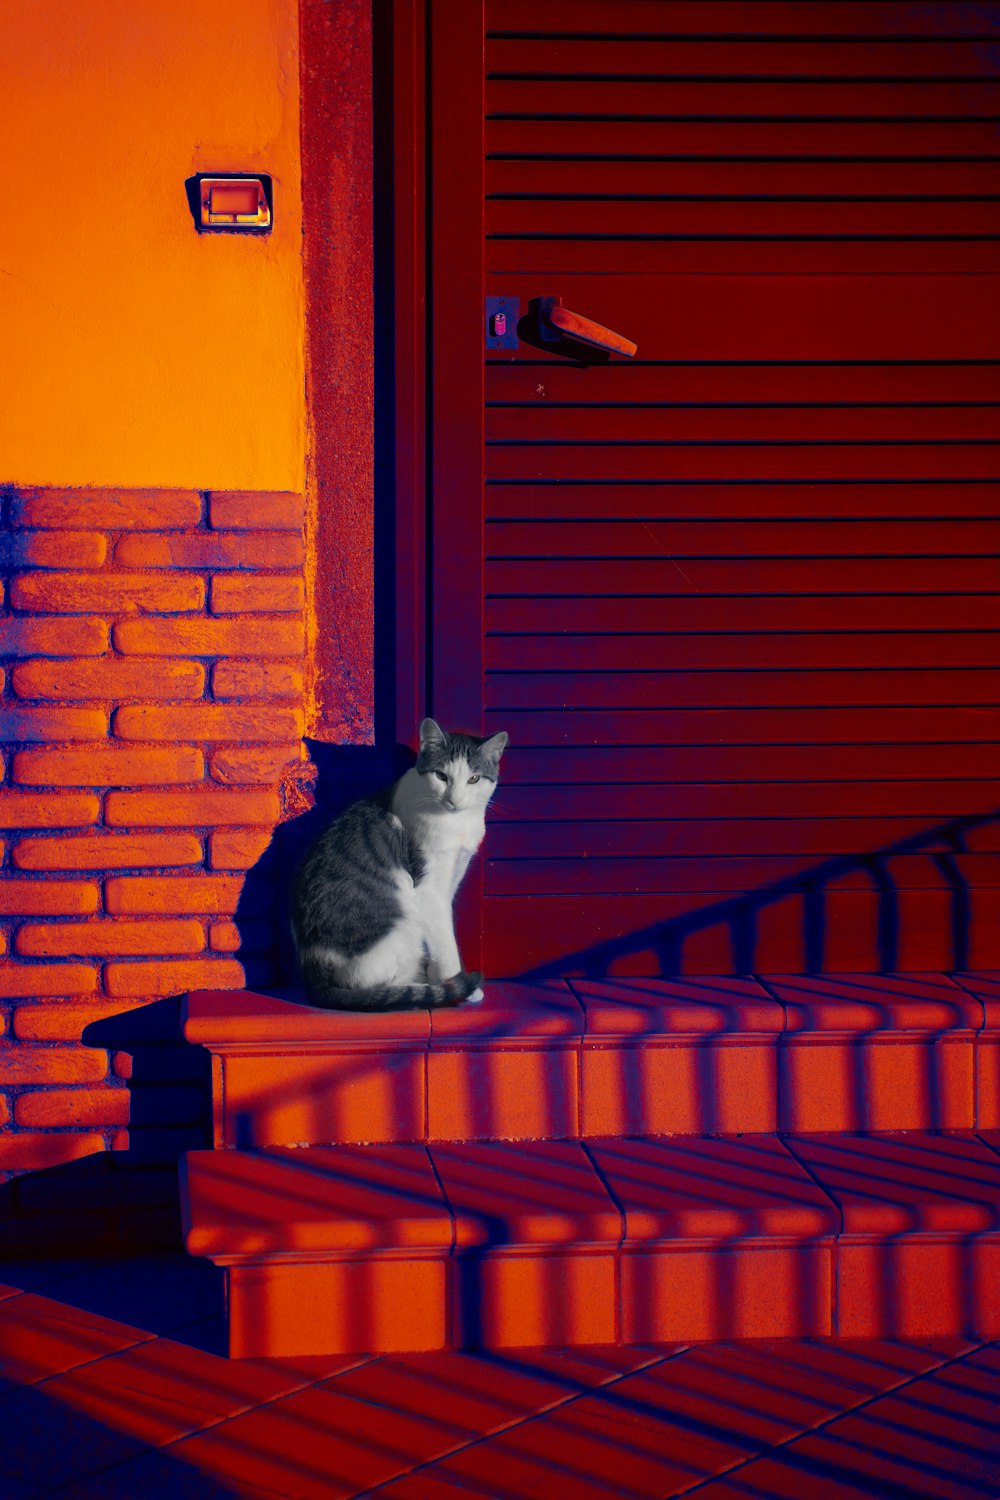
x=178, y=809
x=42, y=549
x=4, y=1110
x=107, y=852
x=107, y=939
x=236, y=849
x=20, y=980
x=109, y=677
x=108, y=593
x=210, y=637
x=20, y=1064
x=48, y=809
x=136, y=510
x=219, y=549
x=224, y=937
x=237, y=765
x=133, y=895
x=48, y=898
x=79, y=637
x=47, y=723
x=235, y=594
x=113, y=766
x=30, y=1152
x=252, y=511
x=61, y=1020
x=254, y=679
x=73, y=1107
x=154, y=979
x=122, y=1064
x=209, y=722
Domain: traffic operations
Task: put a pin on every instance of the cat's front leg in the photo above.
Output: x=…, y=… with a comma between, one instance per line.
x=443, y=960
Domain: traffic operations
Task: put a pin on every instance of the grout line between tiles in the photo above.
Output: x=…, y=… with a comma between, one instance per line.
x=542, y=1411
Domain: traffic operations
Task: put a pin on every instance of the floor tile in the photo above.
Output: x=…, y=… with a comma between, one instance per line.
x=40, y=1337
x=318, y=1445
x=158, y=1476
x=483, y=1392
x=46, y=1441
x=937, y=1437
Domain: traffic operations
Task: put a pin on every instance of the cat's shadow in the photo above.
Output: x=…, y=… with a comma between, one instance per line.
x=344, y=773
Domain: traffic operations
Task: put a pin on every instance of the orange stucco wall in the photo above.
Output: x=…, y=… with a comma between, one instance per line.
x=137, y=352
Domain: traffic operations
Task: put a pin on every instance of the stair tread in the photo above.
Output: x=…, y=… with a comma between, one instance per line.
x=317, y=1199
x=576, y=1011
x=712, y=1187
x=985, y=987
x=533, y=1192
x=918, y=1182
x=618, y=1191
x=877, y=1002
x=668, y=1007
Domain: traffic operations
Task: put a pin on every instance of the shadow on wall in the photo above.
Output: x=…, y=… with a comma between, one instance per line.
x=344, y=773
x=126, y=1201
x=741, y=917
x=122, y=1201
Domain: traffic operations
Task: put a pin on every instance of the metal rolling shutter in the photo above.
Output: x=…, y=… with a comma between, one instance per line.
x=741, y=593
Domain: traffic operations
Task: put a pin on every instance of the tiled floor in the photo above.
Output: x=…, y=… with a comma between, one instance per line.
x=111, y=1389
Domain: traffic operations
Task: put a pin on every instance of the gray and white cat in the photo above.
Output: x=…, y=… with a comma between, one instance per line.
x=372, y=902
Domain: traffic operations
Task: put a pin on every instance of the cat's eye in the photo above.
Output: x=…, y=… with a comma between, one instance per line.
x=440, y=776
x=473, y=779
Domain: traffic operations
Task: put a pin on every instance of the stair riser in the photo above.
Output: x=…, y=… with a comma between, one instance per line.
x=919, y=1287
x=988, y=1081
x=809, y=1083
x=318, y=1098
x=912, y=1288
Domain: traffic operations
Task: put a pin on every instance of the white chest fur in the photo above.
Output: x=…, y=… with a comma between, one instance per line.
x=448, y=839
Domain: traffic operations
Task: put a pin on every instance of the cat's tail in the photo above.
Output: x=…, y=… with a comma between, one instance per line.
x=322, y=992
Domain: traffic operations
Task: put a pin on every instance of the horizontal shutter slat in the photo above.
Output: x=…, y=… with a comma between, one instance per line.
x=754, y=424
x=667, y=764
x=743, y=179
x=546, y=135
x=760, y=688
x=730, y=98
x=538, y=384
x=640, y=18
x=859, y=650
x=941, y=800
x=721, y=874
x=823, y=838
x=750, y=726
x=834, y=500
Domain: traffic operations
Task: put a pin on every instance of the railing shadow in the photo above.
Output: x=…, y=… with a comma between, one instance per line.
x=741, y=915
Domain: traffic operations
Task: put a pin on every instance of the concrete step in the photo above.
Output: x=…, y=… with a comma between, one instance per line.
x=575, y=1059
x=404, y=1247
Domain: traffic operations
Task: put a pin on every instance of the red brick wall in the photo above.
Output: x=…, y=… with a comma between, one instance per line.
x=152, y=645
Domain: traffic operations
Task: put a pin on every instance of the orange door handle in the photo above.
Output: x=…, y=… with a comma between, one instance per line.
x=557, y=322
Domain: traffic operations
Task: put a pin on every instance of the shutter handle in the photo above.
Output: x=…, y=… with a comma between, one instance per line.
x=556, y=323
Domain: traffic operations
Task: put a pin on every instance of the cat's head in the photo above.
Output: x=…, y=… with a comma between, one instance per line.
x=459, y=770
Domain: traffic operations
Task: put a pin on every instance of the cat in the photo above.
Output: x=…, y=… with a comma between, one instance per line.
x=372, y=901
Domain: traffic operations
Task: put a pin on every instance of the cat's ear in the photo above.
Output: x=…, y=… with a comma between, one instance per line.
x=431, y=734
x=493, y=747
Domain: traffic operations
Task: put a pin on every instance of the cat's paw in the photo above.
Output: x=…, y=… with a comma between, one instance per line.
x=476, y=998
